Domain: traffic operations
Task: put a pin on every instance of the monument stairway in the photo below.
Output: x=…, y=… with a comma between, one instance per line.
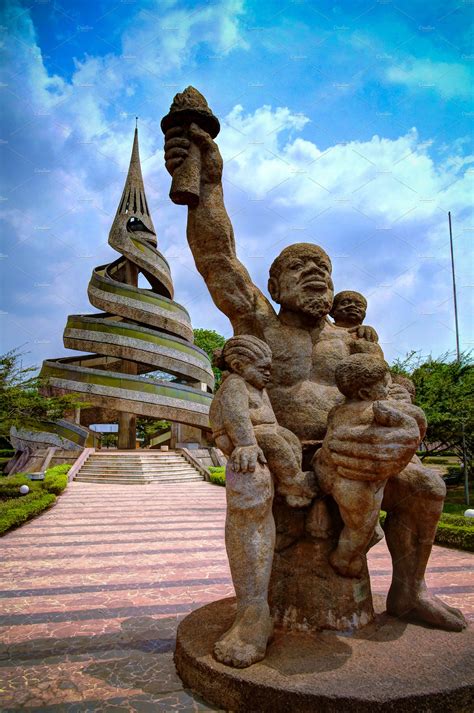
x=135, y=467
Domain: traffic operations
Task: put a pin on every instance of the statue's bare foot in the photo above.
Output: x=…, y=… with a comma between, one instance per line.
x=347, y=567
x=301, y=491
x=297, y=501
x=246, y=641
x=425, y=608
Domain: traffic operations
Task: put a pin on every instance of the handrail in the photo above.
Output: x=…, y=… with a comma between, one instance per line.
x=86, y=453
x=194, y=462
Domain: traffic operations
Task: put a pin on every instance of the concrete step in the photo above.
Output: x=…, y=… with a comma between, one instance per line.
x=118, y=474
x=172, y=464
x=137, y=468
x=131, y=469
x=136, y=481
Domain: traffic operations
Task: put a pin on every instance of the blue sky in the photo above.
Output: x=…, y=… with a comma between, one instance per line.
x=347, y=125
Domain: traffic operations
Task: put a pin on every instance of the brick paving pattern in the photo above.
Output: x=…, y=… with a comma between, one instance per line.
x=92, y=592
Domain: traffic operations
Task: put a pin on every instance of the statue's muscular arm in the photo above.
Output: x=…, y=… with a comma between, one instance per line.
x=211, y=237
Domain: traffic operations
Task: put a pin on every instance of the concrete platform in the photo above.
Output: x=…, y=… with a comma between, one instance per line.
x=387, y=666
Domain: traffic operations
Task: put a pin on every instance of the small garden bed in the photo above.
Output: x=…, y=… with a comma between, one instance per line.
x=15, y=508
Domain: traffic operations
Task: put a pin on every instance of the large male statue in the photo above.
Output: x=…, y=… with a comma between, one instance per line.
x=306, y=348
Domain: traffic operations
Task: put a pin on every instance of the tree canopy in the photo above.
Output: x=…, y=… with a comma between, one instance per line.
x=22, y=400
x=445, y=392
x=209, y=341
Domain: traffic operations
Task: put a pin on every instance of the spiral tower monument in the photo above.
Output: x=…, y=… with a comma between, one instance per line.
x=138, y=331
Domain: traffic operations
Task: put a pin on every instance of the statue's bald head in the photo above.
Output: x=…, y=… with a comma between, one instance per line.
x=298, y=250
x=300, y=280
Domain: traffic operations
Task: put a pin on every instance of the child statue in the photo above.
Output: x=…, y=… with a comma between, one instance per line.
x=244, y=424
x=364, y=379
x=348, y=309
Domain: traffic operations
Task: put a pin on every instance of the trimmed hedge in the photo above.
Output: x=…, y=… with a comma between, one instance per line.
x=462, y=538
x=10, y=486
x=56, y=479
x=453, y=531
x=217, y=474
x=457, y=520
x=55, y=482
x=15, y=509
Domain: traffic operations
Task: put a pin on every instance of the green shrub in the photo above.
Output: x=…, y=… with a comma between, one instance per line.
x=7, y=453
x=457, y=520
x=16, y=511
x=435, y=460
x=16, y=508
x=62, y=468
x=55, y=479
x=454, y=470
x=453, y=536
x=217, y=474
x=10, y=486
x=55, y=482
x=453, y=531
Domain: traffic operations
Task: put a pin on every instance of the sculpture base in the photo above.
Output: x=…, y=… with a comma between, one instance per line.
x=388, y=665
x=305, y=592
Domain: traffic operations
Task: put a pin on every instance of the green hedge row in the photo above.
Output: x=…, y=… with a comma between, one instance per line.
x=453, y=531
x=15, y=508
x=453, y=536
x=17, y=511
x=217, y=474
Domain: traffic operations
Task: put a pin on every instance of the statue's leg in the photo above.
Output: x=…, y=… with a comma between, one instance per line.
x=414, y=502
x=284, y=462
x=359, y=506
x=250, y=542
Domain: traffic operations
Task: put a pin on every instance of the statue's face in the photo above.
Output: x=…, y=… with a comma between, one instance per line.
x=256, y=372
x=350, y=310
x=305, y=285
x=379, y=390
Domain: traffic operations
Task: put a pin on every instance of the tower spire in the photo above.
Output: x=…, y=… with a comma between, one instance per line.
x=133, y=202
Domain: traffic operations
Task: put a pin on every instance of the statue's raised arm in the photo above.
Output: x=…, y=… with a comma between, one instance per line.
x=193, y=159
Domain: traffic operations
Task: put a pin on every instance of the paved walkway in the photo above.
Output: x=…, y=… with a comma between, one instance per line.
x=92, y=592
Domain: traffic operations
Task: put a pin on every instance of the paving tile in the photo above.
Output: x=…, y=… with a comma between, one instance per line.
x=92, y=592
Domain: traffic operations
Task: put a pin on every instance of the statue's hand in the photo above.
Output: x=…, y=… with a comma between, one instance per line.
x=244, y=458
x=365, y=332
x=177, y=143
x=373, y=452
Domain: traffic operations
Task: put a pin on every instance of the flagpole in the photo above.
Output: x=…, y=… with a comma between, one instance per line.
x=458, y=354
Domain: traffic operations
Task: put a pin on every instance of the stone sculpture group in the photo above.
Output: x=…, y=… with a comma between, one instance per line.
x=318, y=435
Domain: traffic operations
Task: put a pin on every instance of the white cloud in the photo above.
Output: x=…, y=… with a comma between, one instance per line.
x=448, y=79
x=377, y=206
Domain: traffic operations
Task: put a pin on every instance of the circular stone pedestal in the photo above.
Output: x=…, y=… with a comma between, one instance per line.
x=387, y=666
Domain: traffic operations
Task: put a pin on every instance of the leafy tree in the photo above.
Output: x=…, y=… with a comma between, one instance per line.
x=445, y=392
x=109, y=440
x=23, y=402
x=209, y=341
x=147, y=427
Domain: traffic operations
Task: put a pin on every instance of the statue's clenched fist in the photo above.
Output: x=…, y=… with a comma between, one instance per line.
x=178, y=145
